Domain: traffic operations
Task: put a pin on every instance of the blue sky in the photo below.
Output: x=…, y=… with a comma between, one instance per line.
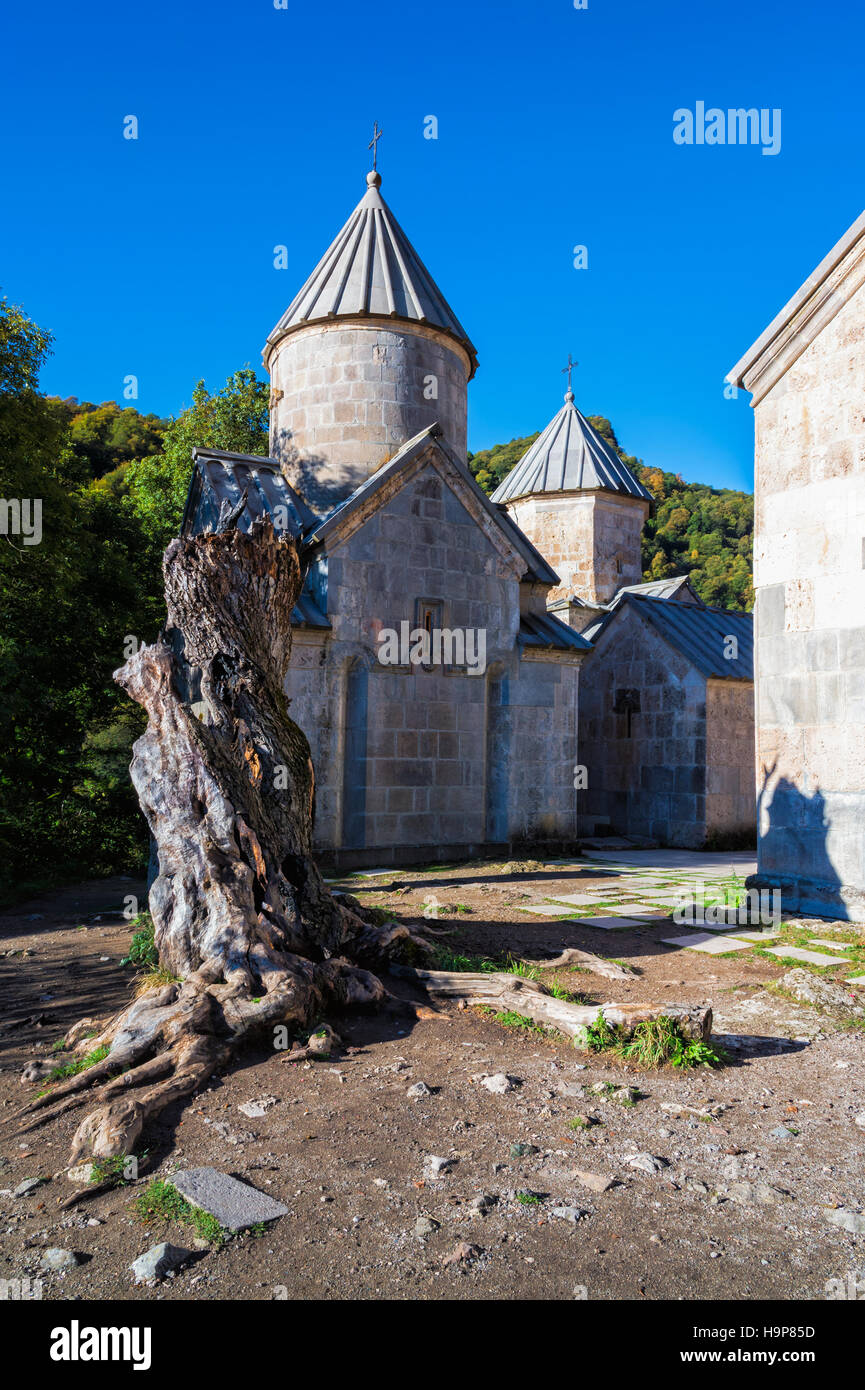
x=155, y=257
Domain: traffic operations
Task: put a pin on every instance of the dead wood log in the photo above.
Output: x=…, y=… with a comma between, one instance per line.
x=599, y=965
x=243, y=920
x=506, y=992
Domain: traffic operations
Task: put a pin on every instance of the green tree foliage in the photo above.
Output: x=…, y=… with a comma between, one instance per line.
x=103, y=437
x=65, y=606
x=71, y=606
x=235, y=419
x=694, y=529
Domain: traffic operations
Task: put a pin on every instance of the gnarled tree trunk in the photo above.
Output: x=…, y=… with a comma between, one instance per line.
x=242, y=918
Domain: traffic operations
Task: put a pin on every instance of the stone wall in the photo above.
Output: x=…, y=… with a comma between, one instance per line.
x=346, y=397
x=414, y=761
x=651, y=781
x=809, y=563
x=731, y=808
x=591, y=539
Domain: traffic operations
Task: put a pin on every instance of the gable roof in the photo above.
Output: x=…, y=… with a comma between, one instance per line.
x=678, y=589
x=827, y=289
x=549, y=632
x=698, y=633
x=363, y=498
x=371, y=270
x=569, y=456
x=219, y=477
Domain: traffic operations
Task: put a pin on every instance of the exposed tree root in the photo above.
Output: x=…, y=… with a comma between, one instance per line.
x=513, y=992
x=599, y=965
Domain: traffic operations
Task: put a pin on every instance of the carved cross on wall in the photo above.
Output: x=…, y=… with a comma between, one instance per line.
x=627, y=702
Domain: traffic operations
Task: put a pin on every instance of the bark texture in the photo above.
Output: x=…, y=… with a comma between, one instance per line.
x=242, y=917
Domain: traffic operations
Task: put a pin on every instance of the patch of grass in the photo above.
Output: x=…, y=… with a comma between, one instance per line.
x=142, y=948
x=80, y=1064
x=454, y=960
x=658, y=1040
x=154, y=979
x=111, y=1172
x=599, y=1036
x=162, y=1202
x=653, y=1043
x=528, y=1199
x=582, y=1122
x=462, y=908
x=510, y=1019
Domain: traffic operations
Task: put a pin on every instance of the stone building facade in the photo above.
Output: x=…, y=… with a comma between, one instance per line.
x=667, y=723
x=453, y=751
x=806, y=375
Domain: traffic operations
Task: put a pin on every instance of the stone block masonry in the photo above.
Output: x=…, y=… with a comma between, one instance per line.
x=348, y=396
x=417, y=760
x=806, y=374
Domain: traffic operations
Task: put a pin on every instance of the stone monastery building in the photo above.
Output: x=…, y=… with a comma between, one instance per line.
x=438, y=648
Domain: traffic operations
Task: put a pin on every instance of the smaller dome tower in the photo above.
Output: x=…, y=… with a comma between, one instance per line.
x=580, y=505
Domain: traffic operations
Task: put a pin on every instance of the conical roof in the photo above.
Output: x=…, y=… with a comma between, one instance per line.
x=568, y=456
x=371, y=269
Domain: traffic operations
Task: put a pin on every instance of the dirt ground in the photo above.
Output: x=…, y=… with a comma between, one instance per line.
x=733, y=1209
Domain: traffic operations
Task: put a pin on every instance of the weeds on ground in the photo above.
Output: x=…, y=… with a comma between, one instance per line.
x=510, y=1019
x=652, y=1043
x=142, y=948
x=80, y=1064
x=162, y=1202
x=113, y=1172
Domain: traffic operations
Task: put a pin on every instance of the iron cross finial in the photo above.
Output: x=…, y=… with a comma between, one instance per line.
x=569, y=368
x=373, y=144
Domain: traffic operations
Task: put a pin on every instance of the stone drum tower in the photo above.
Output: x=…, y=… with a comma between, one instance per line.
x=582, y=507
x=366, y=356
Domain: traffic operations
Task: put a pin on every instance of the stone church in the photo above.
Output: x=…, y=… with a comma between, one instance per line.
x=437, y=645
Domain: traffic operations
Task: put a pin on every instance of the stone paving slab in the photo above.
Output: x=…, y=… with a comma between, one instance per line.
x=546, y=909
x=730, y=928
x=833, y=945
x=610, y=923
x=639, y=910
x=746, y=933
x=694, y=861
x=711, y=945
x=856, y=980
x=235, y=1205
x=812, y=957
x=579, y=899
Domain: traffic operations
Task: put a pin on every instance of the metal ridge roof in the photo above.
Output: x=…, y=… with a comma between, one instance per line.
x=371, y=270
x=569, y=456
x=545, y=630
x=699, y=633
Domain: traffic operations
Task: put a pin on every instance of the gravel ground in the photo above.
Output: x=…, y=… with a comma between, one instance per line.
x=737, y=1170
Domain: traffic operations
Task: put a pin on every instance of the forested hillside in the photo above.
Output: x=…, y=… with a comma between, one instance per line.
x=694, y=529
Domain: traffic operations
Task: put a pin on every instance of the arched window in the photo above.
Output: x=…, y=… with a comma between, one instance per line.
x=354, y=768
x=498, y=757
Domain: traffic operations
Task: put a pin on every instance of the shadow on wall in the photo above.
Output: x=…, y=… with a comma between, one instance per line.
x=307, y=474
x=792, y=846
